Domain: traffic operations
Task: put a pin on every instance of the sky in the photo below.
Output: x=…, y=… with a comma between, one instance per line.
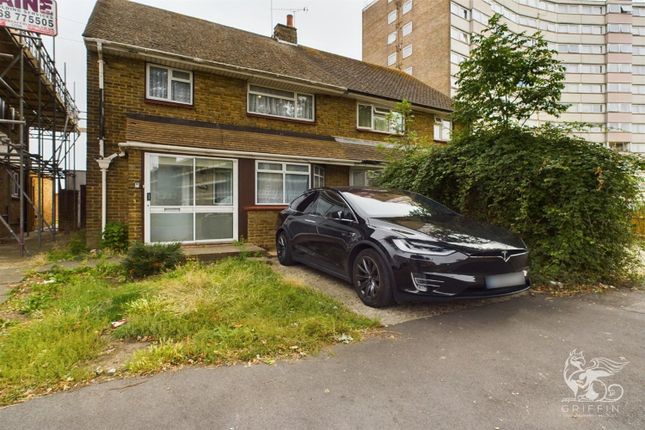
x=329, y=25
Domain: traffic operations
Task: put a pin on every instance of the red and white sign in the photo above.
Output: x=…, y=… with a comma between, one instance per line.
x=38, y=16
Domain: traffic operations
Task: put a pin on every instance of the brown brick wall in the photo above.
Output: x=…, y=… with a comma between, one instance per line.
x=216, y=99
x=262, y=226
x=336, y=176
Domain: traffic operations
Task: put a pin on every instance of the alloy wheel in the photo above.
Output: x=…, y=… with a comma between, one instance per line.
x=281, y=246
x=368, y=278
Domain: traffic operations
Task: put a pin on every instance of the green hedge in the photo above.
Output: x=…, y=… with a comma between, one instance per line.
x=570, y=200
x=147, y=260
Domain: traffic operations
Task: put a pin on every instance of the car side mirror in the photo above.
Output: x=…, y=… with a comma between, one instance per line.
x=337, y=215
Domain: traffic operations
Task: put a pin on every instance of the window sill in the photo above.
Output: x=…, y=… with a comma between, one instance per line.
x=279, y=118
x=267, y=207
x=382, y=133
x=169, y=103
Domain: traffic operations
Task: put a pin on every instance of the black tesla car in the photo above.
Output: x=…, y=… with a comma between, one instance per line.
x=400, y=246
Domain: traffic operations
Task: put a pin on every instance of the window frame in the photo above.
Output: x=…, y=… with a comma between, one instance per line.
x=391, y=38
x=440, y=121
x=318, y=173
x=372, y=129
x=406, y=29
x=406, y=51
x=392, y=16
x=406, y=7
x=364, y=171
x=284, y=173
x=295, y=101
x=169, y=69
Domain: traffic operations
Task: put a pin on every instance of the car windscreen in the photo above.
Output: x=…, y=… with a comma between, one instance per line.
x=394, y=204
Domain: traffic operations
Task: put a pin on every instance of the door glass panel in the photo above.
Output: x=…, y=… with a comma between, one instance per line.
x=171, y=227
x=212, y=226
x=171, y=181
x=214, y=182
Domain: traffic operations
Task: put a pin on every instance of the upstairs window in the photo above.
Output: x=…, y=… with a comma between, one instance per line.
x=407, y=6
x=378, y=119
x=442, y=129
x=407, y=29
x=391, y=38
x=280, y=103
x=171, y=85
x=391, y=17
x=407, y=51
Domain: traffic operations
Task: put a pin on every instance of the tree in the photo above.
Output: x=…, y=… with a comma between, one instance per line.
x=507, y=78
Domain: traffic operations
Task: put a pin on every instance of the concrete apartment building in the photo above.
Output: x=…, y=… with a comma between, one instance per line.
x=602, y=45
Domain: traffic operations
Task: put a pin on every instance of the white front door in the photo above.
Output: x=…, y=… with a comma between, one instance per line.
x=190, y=199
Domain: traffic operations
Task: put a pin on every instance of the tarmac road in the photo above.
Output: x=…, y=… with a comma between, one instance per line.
x=498, y=365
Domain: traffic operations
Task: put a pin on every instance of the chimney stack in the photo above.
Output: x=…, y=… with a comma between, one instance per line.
x=286, y=33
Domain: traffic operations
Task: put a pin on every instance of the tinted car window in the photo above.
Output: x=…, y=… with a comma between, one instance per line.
x=331, y=205
x=302, y=203
x=390, y=204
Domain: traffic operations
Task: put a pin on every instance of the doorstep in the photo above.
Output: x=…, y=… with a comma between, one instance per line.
x=209, y=253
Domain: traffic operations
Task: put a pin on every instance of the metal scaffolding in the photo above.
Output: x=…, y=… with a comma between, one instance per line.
x=38, y=109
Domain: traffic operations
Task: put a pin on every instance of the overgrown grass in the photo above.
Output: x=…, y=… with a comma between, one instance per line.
x=74, y=249
x=55, y=328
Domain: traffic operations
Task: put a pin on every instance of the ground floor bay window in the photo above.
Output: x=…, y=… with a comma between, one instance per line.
x=190, y=199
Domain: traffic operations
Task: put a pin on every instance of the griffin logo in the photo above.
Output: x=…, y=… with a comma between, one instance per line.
x=586, y=380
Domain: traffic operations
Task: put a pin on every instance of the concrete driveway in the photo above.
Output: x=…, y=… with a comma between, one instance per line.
x=497, y=366
x=344, y=292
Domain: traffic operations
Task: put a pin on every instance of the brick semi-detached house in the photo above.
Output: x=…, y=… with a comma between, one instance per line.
x=208, y=131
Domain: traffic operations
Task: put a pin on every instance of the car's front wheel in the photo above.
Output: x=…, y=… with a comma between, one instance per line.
x=371, y=279
x=283, y=249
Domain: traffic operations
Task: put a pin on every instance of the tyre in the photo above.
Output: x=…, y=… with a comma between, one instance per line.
x=371, y=279
x=283, y=249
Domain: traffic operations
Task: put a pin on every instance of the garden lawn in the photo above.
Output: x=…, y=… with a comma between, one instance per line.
x=56, y=328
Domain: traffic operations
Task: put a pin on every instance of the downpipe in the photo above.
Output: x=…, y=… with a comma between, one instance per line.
x=104, y=165
x=103, y=161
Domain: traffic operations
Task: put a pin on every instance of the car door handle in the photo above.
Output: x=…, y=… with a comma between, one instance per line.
x=311, y=221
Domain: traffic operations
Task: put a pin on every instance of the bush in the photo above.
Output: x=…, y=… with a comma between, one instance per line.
x=147, y=260
x=115, y=237
x=571, y=201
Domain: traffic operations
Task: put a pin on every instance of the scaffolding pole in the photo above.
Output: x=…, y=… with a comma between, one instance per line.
x=21, y=139
x=62, y=164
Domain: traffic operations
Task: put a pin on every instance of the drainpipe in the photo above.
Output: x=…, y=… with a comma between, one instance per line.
x=99, y=48
x=103, y=161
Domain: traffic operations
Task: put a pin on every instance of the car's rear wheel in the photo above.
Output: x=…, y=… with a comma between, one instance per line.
x=283, y=249
x=371, y=279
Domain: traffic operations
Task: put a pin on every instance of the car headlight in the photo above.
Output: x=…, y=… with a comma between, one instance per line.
x=421, y=248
